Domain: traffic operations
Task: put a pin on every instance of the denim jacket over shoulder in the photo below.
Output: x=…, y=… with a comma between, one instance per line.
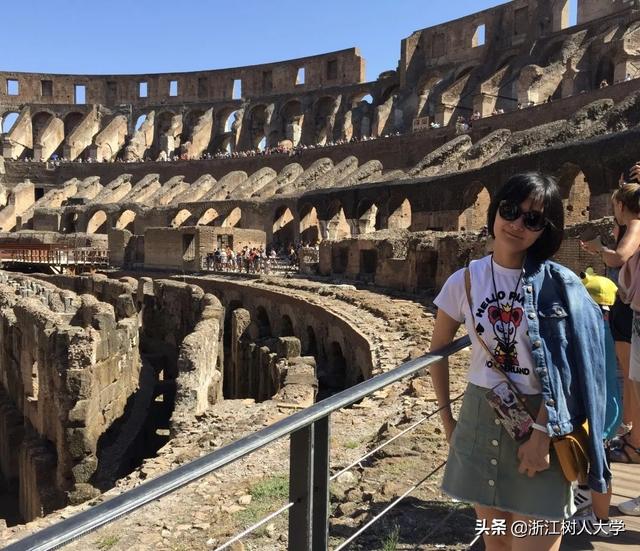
x=568, y=347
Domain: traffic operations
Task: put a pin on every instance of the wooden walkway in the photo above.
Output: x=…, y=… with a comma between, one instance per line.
x=626, y=485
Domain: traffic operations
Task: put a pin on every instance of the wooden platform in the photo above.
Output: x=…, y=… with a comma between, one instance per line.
x=626, y=485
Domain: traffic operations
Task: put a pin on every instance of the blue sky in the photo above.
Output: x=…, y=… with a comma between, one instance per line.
x=145, y=36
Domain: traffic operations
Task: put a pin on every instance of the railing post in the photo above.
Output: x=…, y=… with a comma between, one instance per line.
x=300, y=488
x=320, y=511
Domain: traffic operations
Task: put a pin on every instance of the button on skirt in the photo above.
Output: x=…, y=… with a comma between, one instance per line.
x=482, y=467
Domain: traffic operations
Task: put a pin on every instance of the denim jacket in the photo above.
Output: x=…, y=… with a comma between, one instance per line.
x=568, y=347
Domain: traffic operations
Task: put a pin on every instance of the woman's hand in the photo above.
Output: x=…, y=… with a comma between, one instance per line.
x=534, y=454
x=449, y=424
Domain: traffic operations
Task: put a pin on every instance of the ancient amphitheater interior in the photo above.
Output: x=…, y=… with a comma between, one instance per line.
x=125, y=348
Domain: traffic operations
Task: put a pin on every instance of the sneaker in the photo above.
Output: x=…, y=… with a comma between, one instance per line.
x=590, y=525
x=581, y=498
x=631, y=507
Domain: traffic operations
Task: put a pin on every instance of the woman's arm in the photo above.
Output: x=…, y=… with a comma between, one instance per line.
x=443, y=333
x=625, y=249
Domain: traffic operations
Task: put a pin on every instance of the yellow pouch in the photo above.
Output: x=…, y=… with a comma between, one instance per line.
x=572, y=451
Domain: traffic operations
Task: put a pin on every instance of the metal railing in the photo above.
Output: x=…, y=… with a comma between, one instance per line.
x=309, y=476
x=56, y=256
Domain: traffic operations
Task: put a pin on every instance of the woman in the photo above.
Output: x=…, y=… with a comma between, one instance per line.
x=626, y=208
x=541, y=327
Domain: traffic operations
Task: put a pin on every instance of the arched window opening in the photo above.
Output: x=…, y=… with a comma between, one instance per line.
x=283, y=228
x=125, y=222
x=233, y=218
x=474, y=217
x=8, y=121
x=311, y=345
x=97, y=223
x=367, y=216
x=180, y=218
x=400, y=217
x=309, y=226
x=140, y=121
x=286, y=327
x=262, y=320
x=332, y=373
x=208, y=217
x=338, y=227
x=229, y=122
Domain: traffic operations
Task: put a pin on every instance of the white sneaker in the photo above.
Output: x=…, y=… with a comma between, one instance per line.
x=592, y=526
x=581, y=498
x=631, y=507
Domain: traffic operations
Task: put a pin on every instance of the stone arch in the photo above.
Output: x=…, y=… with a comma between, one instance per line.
x=309, y=225
x=311, y=343
x=553, y=52
x=575, y=193
x=474, y=217
x=283, y=230
x=604, y=71
x=332, y=377
x=337, y=225
x=292, y=117
x=230, y=380
x=140, y=121
x=388, y=92
x=180, y=218
x=191, y=119
x=426, y=103
x=38, y=123
x=228, y=116
x=69, y=222
x=323, y=114
x=400, y=216
x=367, y=216
x=97, y=222
x=505, y=60
x=9, y=120
x=286, y=327
x=463, y=71
x=164, y=121
x=263, y=323
x=363, y=95
x=71, y=120
x=232, y=219
x=208, y=217
x=257, y=120
x=125, y=220
x=506, y=89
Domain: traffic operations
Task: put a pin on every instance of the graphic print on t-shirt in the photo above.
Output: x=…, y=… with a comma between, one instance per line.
x=505, y=320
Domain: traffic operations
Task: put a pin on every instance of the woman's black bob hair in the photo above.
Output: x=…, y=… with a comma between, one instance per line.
x=544, y=192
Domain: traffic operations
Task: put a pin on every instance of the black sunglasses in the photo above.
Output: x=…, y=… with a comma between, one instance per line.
x=533, y=220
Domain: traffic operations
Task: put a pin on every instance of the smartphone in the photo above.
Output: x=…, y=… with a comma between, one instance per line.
x=510, y=410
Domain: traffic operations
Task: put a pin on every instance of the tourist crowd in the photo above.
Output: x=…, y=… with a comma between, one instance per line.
x=254, y=260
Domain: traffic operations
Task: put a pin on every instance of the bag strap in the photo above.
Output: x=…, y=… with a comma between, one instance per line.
x=495, y=364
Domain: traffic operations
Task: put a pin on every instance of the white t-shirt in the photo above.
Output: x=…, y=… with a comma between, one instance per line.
x=501, y=323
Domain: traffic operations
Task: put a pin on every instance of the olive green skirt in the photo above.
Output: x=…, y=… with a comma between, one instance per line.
x=482, y=467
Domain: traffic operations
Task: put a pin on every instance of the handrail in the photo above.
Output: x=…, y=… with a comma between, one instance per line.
x=63, y=532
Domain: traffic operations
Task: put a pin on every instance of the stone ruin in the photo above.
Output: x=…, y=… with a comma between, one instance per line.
x=98, y=372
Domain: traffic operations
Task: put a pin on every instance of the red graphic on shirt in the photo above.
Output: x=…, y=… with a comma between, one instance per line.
x=505, y=323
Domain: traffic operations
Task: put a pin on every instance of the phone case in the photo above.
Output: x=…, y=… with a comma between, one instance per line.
x=510, y=410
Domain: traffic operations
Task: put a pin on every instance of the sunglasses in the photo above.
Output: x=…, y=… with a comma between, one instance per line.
x=533, y=220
